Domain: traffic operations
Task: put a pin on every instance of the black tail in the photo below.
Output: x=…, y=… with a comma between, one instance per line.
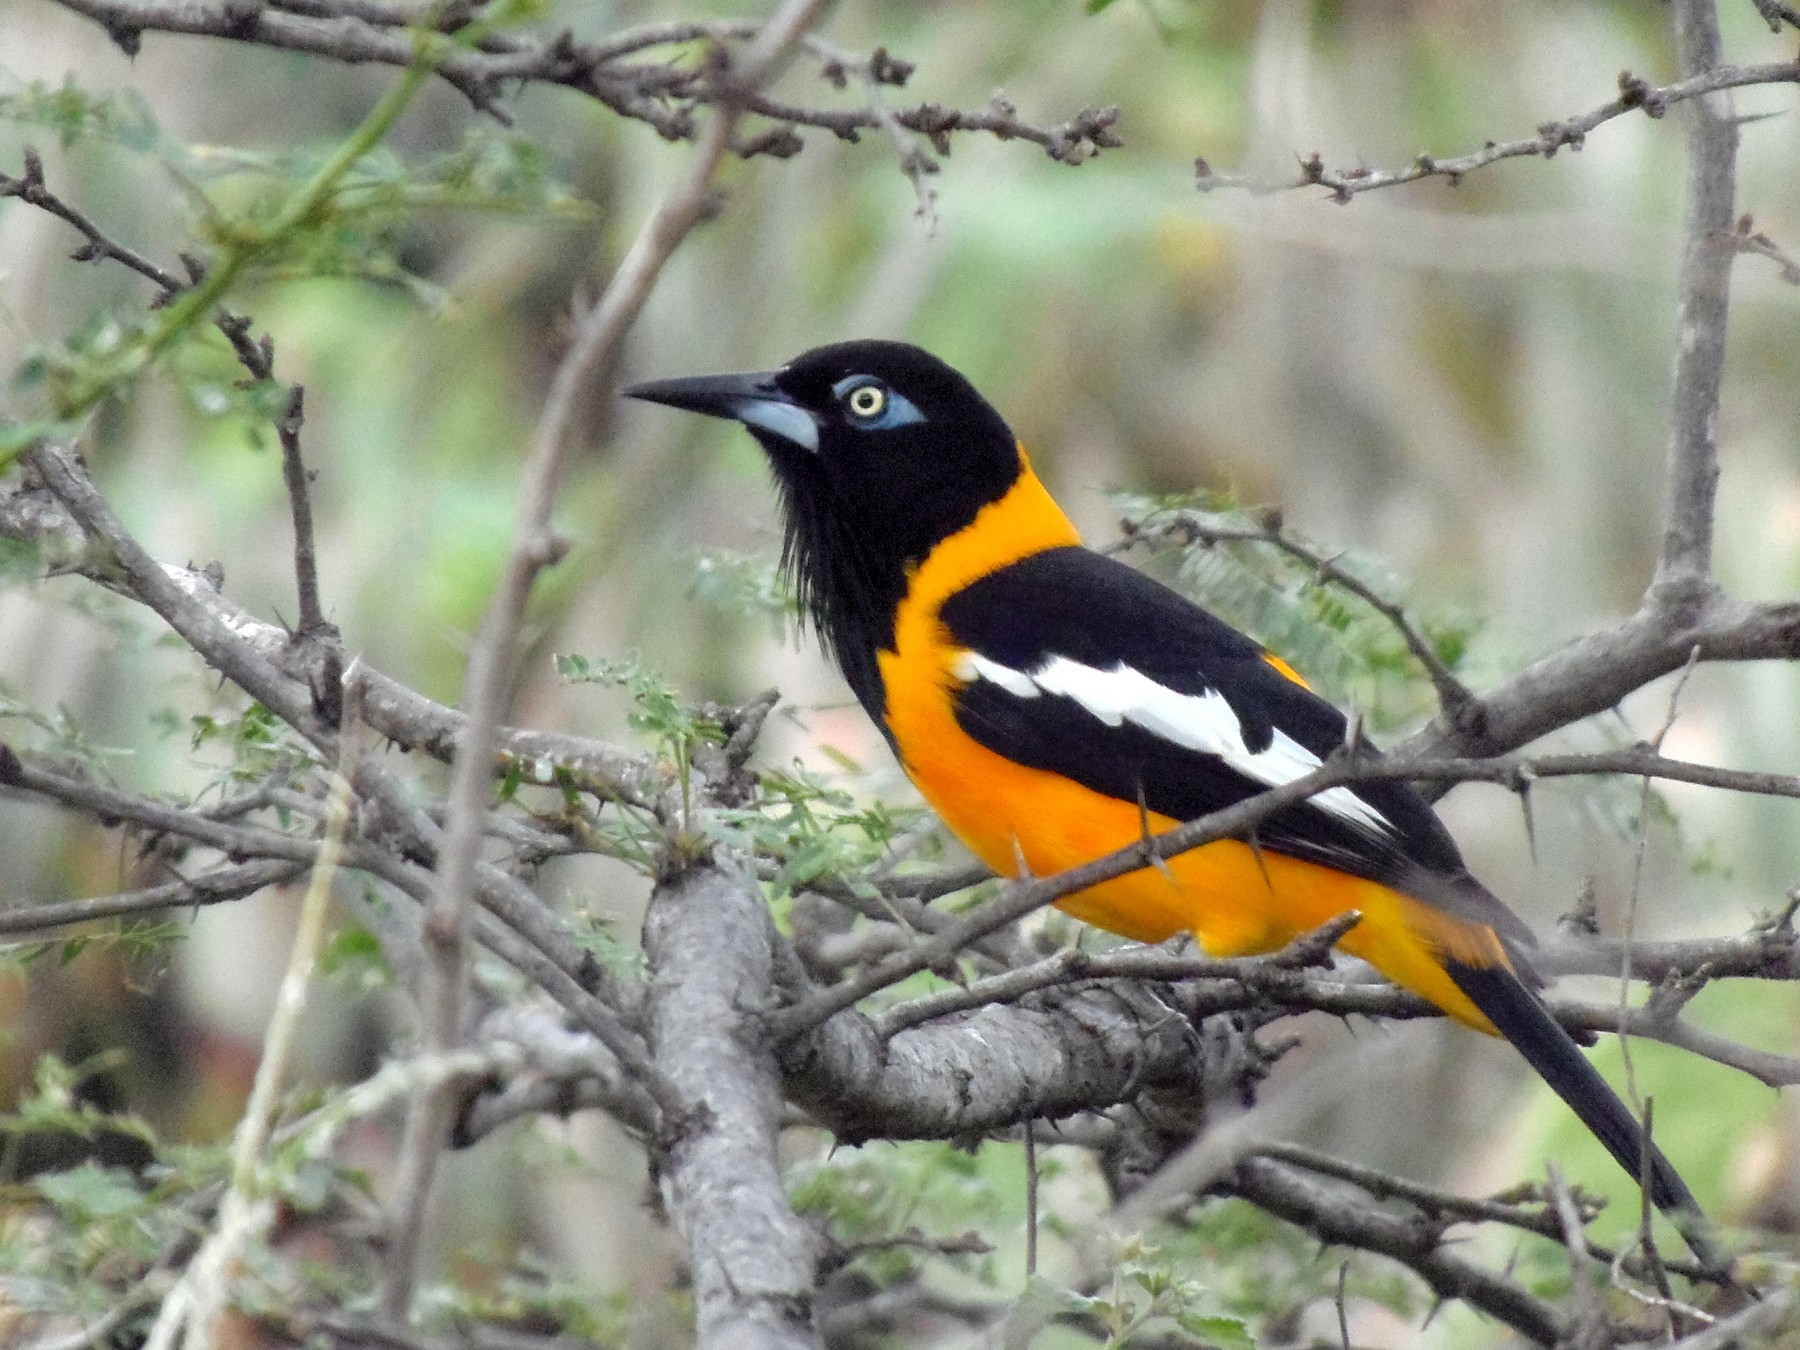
x=1522, y=1018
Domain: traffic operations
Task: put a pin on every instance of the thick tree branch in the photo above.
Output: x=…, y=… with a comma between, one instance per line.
x=1060, y=1054
x=1595, y=672
x=711, y=947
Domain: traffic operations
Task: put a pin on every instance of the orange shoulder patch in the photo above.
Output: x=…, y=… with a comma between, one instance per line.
x=1287, y=671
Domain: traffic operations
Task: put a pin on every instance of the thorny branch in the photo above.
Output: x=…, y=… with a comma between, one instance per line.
x=592, y=358
x=666, y=97
x=1634, y=95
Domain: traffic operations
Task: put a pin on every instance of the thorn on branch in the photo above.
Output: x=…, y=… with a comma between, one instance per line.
x=12, y=773
x=128, y=38
x=1633, y=91
x=1314, y=948
x=885, y=68
x=778, y=142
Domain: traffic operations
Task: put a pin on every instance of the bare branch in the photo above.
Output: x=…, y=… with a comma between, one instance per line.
x=1658, y=1024
x=35, y=516
x=711, y=947
x=1776, y=13
x=1417, y=1244
x=1596, y=671
x=663, y=96
x=1746, y=238
x=1522, y=1208
x=1685, y=560
x=1073, y=964
x=209, y=888
x=1063, y=1053
x=1634, y=94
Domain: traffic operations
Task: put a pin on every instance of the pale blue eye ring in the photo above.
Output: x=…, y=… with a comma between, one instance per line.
x=872, y=406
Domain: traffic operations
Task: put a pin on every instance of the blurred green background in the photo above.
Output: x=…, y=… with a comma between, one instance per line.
x=1468, y=384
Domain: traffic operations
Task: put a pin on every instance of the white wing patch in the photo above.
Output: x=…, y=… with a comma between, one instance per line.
x=1204, y=722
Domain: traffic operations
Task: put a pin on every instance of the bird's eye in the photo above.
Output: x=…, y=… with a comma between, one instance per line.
x=871, y=406
x=867, y=402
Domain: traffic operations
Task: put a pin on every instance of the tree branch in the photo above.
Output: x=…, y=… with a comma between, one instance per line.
x=1685, y=560
x=1746, y=238
x=209, y=888
x=591, y=358
x=1416, y=1243
x=1634, y=95
x=663, y=96
x=711, y=948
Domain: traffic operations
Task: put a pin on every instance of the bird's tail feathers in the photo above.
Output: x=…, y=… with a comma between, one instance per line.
x=1522, y=1018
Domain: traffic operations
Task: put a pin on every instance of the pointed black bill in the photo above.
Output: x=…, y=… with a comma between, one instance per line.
x=753, y=399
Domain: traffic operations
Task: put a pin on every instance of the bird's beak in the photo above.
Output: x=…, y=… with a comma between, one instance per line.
x=754, y=399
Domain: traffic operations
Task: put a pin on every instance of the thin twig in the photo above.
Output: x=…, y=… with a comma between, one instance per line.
x=245, y=1212
x=1637, y=881
x=1588, y=1328
x=1746, y=238
x=663, y=96
x=1031, y=1198
x=209, y=888
x=591, y=358
x=1073, y=964
x=1634, y=94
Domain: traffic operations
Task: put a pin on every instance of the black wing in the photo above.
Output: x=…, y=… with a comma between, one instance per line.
x=1098, y=615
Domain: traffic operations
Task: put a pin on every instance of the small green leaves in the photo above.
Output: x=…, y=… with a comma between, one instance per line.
x=88, y=1193
x=658, y=714
x=353, y=957
x=75, y=115
x=742, y=584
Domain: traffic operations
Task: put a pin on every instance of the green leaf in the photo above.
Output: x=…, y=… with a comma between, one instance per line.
x=91, y=1192
x=354, y=956
x=1227, y=1333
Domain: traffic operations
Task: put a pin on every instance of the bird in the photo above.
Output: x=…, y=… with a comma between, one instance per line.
x=1053, y=704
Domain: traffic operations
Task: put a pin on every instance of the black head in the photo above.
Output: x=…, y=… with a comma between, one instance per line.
x=880, y=451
